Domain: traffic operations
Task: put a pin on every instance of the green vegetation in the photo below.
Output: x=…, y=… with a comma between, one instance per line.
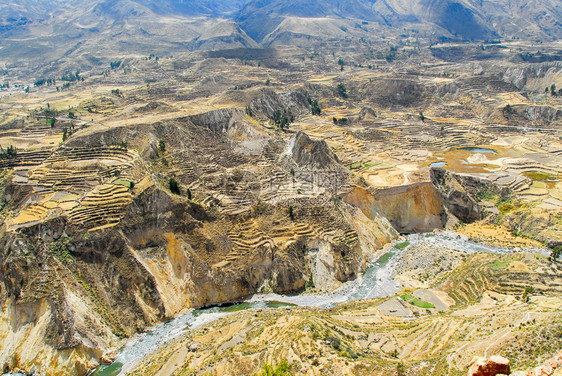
x=309, y=285
x=341, y=63
x=508, y=204
x=161, y=146
x=291, y=213
x=282, y=119
x=498, y=264
x=174, y=186
x=282, y=369
x=72, y=77
x=556, y=253
x=528, y=291
x=416, y=302
x=10, y=152
x=540, y=176
x=384, y=259
x=422, y=117
x=400, y=369
x=59, y=250
x=314, y=106
x=508, y=110
x=115, y=64
x=120, y=145
x=45, y=81
x=402, y=245
x=487, y=195
x=342, y=90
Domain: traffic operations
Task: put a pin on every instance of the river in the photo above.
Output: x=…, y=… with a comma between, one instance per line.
x=377, y=282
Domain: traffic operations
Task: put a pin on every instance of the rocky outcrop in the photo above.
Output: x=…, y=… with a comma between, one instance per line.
x=495, y=365
x=217, y=120
x=268, y=101
x=366, y=114
x=550, y=367
x=68, y=298
x=313, y=161
x=460, y=193
x=544, y=114
x=533, y=77
x=307, y=153
x=411, y=208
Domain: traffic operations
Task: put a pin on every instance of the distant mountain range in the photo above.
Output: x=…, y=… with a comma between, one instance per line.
x=34, y=30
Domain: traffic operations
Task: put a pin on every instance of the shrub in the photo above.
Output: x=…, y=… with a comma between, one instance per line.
x=556, y=252
x=174, y=186
x=282, y=369
x=282, y=119
x=342, y=90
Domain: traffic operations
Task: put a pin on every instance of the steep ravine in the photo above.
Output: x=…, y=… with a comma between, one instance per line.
x=72, y=291
x=157, y=260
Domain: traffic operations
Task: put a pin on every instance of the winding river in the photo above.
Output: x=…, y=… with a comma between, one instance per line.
x=377, y=281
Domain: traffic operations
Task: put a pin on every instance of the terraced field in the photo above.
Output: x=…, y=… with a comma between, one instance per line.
x=483, y=310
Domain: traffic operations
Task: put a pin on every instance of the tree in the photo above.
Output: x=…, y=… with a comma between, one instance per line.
x=291, y=213
x=422, y=117
x=314, y=106
x=342, y=90
x=10, y=152
x=282, y=119
x=556, y=253
x=174, y=186
x=64, y=134
x=115, y=64
x=188, y=192
x=341, y=63
x=553, y=90
x=508, y=110
x=528, y=291
x=162, y=146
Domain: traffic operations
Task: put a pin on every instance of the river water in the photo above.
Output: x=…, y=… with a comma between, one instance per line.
x=377, y=281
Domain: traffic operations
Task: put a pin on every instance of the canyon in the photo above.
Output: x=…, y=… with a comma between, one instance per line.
x=351, y=195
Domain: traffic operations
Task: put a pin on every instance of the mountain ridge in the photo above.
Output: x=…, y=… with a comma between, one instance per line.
x=44, y=33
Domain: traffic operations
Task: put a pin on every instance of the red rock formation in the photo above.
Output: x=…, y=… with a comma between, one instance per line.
x=489, y=367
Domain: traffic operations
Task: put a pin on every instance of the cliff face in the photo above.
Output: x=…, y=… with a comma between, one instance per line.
x=411, y=208
x=97, y=248
x=460, y=193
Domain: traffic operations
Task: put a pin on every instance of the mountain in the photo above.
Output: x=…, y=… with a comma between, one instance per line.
x=261, y=17
x=459, y=19
x=80, y=34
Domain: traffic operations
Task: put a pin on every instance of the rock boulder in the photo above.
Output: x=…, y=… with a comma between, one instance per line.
x=495, y=365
